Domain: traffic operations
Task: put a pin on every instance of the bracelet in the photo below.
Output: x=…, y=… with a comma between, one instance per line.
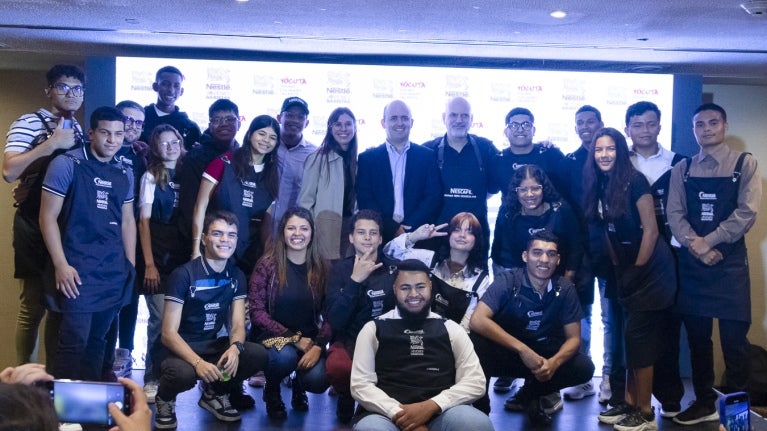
x=197, y=362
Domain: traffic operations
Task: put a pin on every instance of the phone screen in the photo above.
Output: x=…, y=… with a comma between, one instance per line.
x=86, y=402
x=736, y=414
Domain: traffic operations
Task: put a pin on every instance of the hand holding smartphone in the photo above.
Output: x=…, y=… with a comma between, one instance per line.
x=734, y=412
x=87, y=402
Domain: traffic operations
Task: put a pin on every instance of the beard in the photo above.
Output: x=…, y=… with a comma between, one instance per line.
x=409, y=315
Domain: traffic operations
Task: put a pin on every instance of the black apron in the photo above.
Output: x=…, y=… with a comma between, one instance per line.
x=722, y=290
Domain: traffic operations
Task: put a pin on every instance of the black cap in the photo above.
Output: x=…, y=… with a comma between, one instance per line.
x=295, y=101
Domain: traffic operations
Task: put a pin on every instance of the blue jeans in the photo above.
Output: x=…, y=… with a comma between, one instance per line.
x=461, y=417
x=82, y=339
x=283, y=362
x=155, y=304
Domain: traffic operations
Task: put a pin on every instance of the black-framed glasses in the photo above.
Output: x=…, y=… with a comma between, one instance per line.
x=525, y=125
x=228, y=120
x=130, y=121
x=168, y=144
x=526, y=190
x=64, y=89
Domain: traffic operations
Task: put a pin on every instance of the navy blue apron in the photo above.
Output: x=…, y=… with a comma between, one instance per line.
x=248, y=199
x=722, y=290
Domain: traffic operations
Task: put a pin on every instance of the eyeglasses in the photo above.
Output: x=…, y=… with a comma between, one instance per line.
x=230, y=120
x=525, y=125
x=167, y=144
x=130, y=121
x=219, y=234
x=339, y=125
x=526, y=190
x=64, y=89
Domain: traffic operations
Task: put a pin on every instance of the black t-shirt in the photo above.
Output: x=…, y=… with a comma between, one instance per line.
x=625, y=232
x=294, y=303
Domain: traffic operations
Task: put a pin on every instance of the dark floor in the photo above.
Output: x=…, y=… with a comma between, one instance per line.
x=575, y=416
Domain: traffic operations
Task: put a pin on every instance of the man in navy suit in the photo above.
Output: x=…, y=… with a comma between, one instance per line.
x=399, y=179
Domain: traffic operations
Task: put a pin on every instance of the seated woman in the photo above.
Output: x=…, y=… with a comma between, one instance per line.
x=286, y=298
x=161, y=249
x=244, y=182
x=531, y=205
x=327, y=187
x=461, y=273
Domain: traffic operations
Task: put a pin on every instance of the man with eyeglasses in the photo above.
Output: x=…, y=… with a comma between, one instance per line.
x=169, y=85
x=292, y=152
x=520, y=130
x=203, y=295
x=464, y=163
x=527, y=324
x=219, y=138
x=32, y=142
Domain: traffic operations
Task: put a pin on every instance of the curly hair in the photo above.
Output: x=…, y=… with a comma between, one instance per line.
x=510, y=206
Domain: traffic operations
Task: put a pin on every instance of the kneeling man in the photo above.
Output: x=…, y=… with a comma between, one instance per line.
x=202, y=295
x=527, y=324
x=414, y=370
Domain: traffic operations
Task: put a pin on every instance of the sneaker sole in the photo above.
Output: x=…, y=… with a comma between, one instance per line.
x=669, y=415
x=218, y=415
x=579, y=396
x=553, y=409
x=160, y=426
x=611, y=420
x=709, y=418
x=647, y=426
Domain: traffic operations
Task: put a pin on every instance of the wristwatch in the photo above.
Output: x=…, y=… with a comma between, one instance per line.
x=240, y=346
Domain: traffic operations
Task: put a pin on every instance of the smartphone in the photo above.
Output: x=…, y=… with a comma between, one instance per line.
x=86, y=402
x=67, y=124
x=734, y=411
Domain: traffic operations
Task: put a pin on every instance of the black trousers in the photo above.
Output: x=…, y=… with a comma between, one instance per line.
x=735, y=347
x=499, y=361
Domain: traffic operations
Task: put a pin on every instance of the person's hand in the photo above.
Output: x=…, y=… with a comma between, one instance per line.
x=61, y=139
x=151, y=279
x=698, y=245
x=548, y=144
x=208, y=372
x=229, y=361
x=141, y=416
x=711, y=258
x=427, y=231
x=310, y=358
x=546, y=371
x=67, y=280
x=304, y=344
x=364, y=266
x=402, y=229
x=532, y=360
x=413, y=416
x=25, y=374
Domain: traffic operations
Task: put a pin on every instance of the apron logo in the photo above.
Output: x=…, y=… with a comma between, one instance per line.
x=102, y=183
x=707, y=196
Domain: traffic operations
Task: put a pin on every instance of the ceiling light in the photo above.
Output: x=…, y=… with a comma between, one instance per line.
x=558, y=14
x=241, y=1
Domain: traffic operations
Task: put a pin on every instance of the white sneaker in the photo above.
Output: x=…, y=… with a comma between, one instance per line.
x=150, y=389
x=605, y=393
x=579, y=392
x=123, y=364
x=70, y=427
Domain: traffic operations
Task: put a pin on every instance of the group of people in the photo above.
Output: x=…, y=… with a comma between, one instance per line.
x=369, y=272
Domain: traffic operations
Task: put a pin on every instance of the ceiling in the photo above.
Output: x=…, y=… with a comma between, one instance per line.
x=714, y=38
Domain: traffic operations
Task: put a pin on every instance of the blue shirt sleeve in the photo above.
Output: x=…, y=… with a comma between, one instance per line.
x=59, y=175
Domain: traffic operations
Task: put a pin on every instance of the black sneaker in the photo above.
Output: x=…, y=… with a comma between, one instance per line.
x=615, y=414
x=502, y=385
x=697, y=413
x=299, y=401
x=344, y=409
x=240, y=399
x=670, y=410
x=551, y=403
x=536, y=412
x=219, y=406
x=275, y=408
x=637, y=421
x=517, y=402
x=165, y=416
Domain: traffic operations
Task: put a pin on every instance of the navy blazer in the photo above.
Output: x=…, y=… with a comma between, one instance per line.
x=423, y=189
